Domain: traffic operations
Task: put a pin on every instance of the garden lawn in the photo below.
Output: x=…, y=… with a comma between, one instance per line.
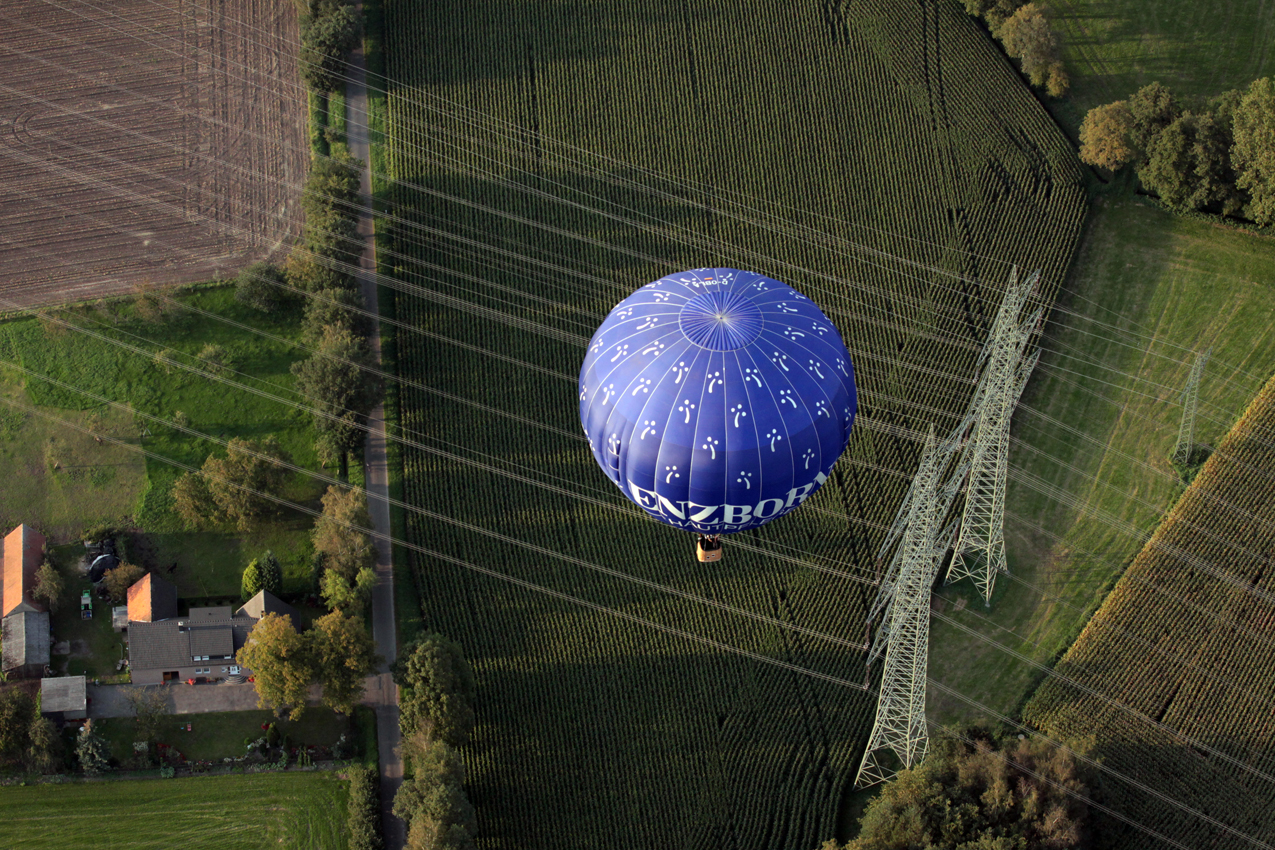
x=296, y=810
x=1199, y=50
x=213, y=737
x=1146, y=290
x=65, y=481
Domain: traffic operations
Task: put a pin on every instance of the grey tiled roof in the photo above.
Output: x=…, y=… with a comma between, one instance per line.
x=265, y=603
x=65, y=693
x=214, y=640
x=26, y=639
x=171, y=644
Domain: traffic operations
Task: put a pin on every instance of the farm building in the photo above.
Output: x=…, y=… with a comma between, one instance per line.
x=26, y=643
x=64, y=698
x=151, y=599
x=23, y=551
x=26, y=622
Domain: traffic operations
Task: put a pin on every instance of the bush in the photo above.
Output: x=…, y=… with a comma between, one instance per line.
x=216, y=359
x=260, y=286
x=364, y=825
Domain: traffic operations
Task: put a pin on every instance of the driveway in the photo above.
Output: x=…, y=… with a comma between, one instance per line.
x=110, y=700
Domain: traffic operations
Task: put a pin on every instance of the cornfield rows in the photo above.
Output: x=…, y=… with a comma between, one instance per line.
x=543, y=207
x=1188, y=647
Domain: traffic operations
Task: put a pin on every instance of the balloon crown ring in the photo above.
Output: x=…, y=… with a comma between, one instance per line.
x=721, y=320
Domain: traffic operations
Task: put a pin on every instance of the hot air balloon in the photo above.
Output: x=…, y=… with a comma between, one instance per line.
x=717, y=400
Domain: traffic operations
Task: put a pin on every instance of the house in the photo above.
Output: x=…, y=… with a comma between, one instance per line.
x=25, y=623
x=64, y=698
x=200, y=646
x=151, y=599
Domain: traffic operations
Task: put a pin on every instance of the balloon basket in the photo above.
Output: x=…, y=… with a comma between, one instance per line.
x=708, y=551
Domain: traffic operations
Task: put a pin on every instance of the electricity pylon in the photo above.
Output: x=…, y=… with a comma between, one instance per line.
x=900, y=722
x=980, y=547
x=1190, y=402
x=944, y=498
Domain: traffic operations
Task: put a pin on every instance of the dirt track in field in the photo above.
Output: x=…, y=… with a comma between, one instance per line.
x=144, y=142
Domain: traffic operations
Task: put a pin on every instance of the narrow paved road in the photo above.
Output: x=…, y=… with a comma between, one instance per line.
x=381, y=693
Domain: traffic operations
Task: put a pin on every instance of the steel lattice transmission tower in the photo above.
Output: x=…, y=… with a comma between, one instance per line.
x=980, y=547
x=1190, y=402
x=900, y=722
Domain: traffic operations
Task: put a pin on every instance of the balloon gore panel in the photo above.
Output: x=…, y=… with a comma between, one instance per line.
x=717, y=400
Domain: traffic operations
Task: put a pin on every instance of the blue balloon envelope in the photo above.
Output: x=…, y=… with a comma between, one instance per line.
x=717, y=400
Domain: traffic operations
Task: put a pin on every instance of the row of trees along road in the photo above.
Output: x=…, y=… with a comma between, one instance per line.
x=436, y=715
x=1218, y=158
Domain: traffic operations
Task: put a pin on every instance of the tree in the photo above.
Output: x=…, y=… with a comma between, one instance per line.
x=994, y=12
x=1153, y=107
x=1029, y=37
x=980, y=794
x=335, y=382
x=150, y=707
x=335, y=308
x=326, y=41
x=341, y=594
x=17, y=710
x=337, y=537
x=426, y=756
x=264, y=573
x=119, y=580
x=260, y=285
x=1254, y=149
x=239, y=482
x=91, y=751
x=437, y=689
x=282, y=664
x=44, y=746
x=437, y=812
x=48, y=585
x=309, y=272
x=345, y=656
x=1215, y=176
x=1106, y=136
x=1169, y=170
x=193, y=501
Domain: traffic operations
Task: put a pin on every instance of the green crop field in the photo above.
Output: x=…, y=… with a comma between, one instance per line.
x=1182, y=644
x=800, y=142
x=253, y=812
x=1090, y=470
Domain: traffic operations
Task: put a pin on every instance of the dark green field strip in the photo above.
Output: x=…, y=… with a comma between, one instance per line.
x=771, y=128
x=302, y=810
x=1218, y=621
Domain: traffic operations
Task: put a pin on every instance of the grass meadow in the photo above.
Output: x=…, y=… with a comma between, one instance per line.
x=1098, y=423
x=238, y=812
x=65, y=482
x=1199, y=50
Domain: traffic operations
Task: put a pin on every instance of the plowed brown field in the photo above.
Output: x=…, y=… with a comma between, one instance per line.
x=144, y=141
